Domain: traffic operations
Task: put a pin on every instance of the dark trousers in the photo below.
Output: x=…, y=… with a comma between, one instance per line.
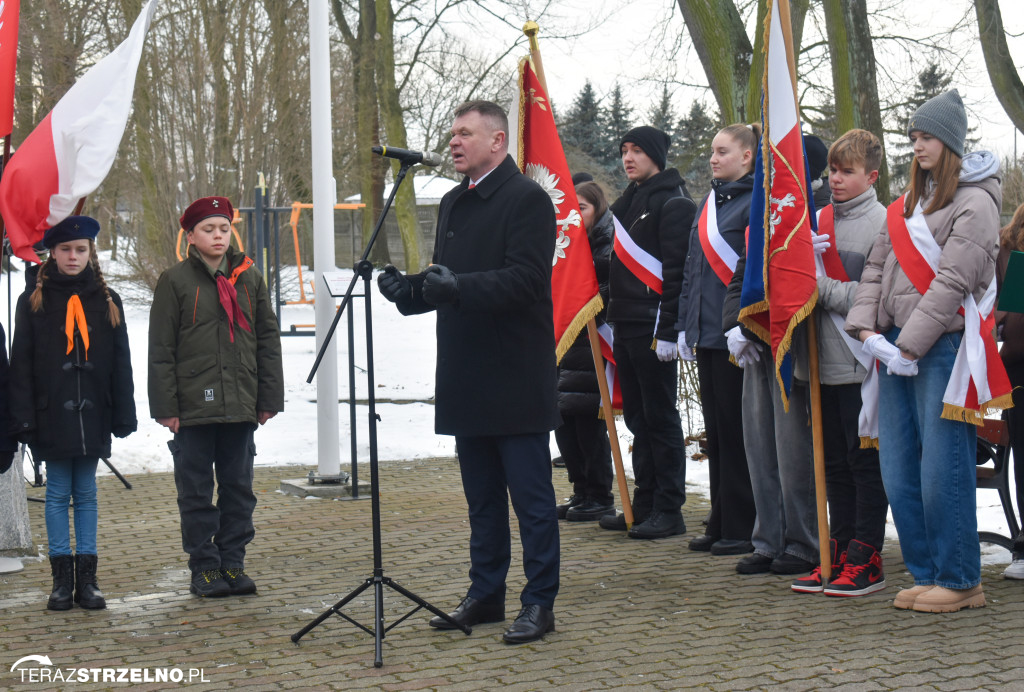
x=857, y=505
x=721, y=401
x=649, y=390
x=1015, y=420
x=583, y=443
x=495, y=468
x=215, y=535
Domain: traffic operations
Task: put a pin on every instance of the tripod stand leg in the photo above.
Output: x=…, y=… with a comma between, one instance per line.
x=424, y=604
x=332, y=610
x=118, y=474
x=378, y=624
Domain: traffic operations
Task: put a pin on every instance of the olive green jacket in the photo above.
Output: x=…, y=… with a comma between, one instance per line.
x=196, y=373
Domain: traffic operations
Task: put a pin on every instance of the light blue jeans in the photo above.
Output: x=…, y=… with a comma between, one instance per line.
x=928, y=467
x=65, y=479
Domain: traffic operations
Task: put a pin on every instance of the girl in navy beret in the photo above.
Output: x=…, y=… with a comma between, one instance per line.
x=71, y=388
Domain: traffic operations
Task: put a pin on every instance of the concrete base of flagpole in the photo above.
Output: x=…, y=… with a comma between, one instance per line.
x=302, y=487
x=10, y=565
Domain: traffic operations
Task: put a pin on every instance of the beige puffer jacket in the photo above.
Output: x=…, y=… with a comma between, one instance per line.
x=967, y=230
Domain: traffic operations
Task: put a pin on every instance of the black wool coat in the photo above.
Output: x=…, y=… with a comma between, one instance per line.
x=496, y=345
x=657, y=214
x=68, y=404
x=578, y=392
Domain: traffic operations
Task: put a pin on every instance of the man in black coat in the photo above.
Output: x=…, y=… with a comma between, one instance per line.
x=490, y=284
x=656, y=213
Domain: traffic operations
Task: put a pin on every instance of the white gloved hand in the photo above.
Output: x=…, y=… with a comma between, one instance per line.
x=819, y=242
x=737, y=342
x=898, y=365
x=666, y=350
x=681, y=342
x=751, y=354
x=877, y=347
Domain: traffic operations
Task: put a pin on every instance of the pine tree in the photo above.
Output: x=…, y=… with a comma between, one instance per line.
x=694, y=133
x=931, y=81
x=582, y=125
x=618, y=120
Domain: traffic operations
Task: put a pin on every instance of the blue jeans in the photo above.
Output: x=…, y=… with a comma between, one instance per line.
x=67, y=478
x=928, y=467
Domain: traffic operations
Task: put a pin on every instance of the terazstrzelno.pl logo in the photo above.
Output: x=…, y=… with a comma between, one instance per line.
x=41, y=669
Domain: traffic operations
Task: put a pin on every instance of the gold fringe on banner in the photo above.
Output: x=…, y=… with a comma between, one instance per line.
x=586, y=313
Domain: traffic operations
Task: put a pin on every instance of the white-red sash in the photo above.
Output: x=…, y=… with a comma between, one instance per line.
x=607, y=338
x=717, y=251
x=830, y=264
x=978, y=382
x=642, y=264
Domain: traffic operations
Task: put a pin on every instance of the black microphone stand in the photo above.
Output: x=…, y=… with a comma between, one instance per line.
x=364, y=269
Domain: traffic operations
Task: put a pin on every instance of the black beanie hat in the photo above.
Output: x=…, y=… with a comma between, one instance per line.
x=817, y=155
x=653, y=141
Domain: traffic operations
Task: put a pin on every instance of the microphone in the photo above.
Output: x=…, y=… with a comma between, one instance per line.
x=426, y=158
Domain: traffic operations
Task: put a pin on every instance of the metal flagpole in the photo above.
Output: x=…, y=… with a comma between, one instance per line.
x=324, y=198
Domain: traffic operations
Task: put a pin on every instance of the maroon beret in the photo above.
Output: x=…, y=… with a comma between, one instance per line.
x=204, y=208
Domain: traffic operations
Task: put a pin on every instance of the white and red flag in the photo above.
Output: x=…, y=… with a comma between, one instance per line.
x=541, y=157
x=67, y=156
x=780, y=287
x=9, y=15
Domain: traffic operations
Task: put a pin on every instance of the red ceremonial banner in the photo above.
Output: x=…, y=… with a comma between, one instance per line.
x=9, y=14
x=541, y=157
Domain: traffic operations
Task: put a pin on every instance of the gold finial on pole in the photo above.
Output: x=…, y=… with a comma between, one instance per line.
x=531, y=29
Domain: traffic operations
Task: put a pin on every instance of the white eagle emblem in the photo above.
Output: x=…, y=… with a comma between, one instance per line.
x=549, y=182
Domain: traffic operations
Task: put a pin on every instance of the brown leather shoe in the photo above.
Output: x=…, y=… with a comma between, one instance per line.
x=943, y=600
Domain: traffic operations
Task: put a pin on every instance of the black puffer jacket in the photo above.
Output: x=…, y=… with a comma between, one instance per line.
x=578, y=393
x=657, y=214
x=68, y=404
x=703, y=294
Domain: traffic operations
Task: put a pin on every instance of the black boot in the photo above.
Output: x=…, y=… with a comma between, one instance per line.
x=63, y=569
x=87, y=593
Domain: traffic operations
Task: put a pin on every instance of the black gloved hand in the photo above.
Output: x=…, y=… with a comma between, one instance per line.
x=123, y=431
x=440, y=285
x=6, y=459
x=393, y=285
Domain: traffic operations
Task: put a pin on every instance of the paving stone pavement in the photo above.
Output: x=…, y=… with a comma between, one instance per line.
x=637, y=615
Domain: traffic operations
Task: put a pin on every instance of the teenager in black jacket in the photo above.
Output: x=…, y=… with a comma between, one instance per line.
x=646, y=275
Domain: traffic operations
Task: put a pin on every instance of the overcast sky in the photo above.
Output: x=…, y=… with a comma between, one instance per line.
x=631, y=39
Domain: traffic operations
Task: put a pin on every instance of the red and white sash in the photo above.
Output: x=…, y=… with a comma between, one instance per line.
x=717, y=251
x=642, y=264
x=831, y=265
x=978, y=382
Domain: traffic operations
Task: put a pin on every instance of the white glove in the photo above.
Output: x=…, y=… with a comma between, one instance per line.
x=737, y=342
x=685, y=352
x=666, y=350
x=898, y=365
x=750, y=355
x=877, y=347
x=819, y=242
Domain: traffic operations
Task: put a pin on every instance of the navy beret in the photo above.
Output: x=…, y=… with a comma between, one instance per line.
x=71, y=228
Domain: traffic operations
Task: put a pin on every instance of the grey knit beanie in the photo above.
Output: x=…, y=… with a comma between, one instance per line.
x=944, y=117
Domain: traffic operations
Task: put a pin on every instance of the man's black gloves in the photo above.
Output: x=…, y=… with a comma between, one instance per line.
x=393, y=285
x=440, y=285
x=6, y=459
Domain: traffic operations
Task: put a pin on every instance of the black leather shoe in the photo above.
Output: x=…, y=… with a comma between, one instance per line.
x=470, y=612
x=791, y=564
x=702, y=544
x=659, y=525
x=591, y=510
x=573, y=500
x=532, y=623
x=755, y=563
x=731, y=546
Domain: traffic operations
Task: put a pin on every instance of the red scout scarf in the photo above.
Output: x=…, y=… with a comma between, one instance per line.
x=978, y=382
x=717, y=251
x=829, y=264
x=228, y=295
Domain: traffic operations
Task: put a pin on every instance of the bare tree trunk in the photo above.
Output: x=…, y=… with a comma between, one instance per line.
x=1001, y=70
x=721, y=42
x=394, y=126
x=853, y=76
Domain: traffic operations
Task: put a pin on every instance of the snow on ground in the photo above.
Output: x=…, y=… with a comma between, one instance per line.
x=404, y=354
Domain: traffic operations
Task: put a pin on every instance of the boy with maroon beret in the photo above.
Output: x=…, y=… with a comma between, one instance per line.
x=215, y=372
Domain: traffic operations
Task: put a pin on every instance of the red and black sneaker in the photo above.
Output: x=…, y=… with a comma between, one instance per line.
x=812, y=583
x=862, y=573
